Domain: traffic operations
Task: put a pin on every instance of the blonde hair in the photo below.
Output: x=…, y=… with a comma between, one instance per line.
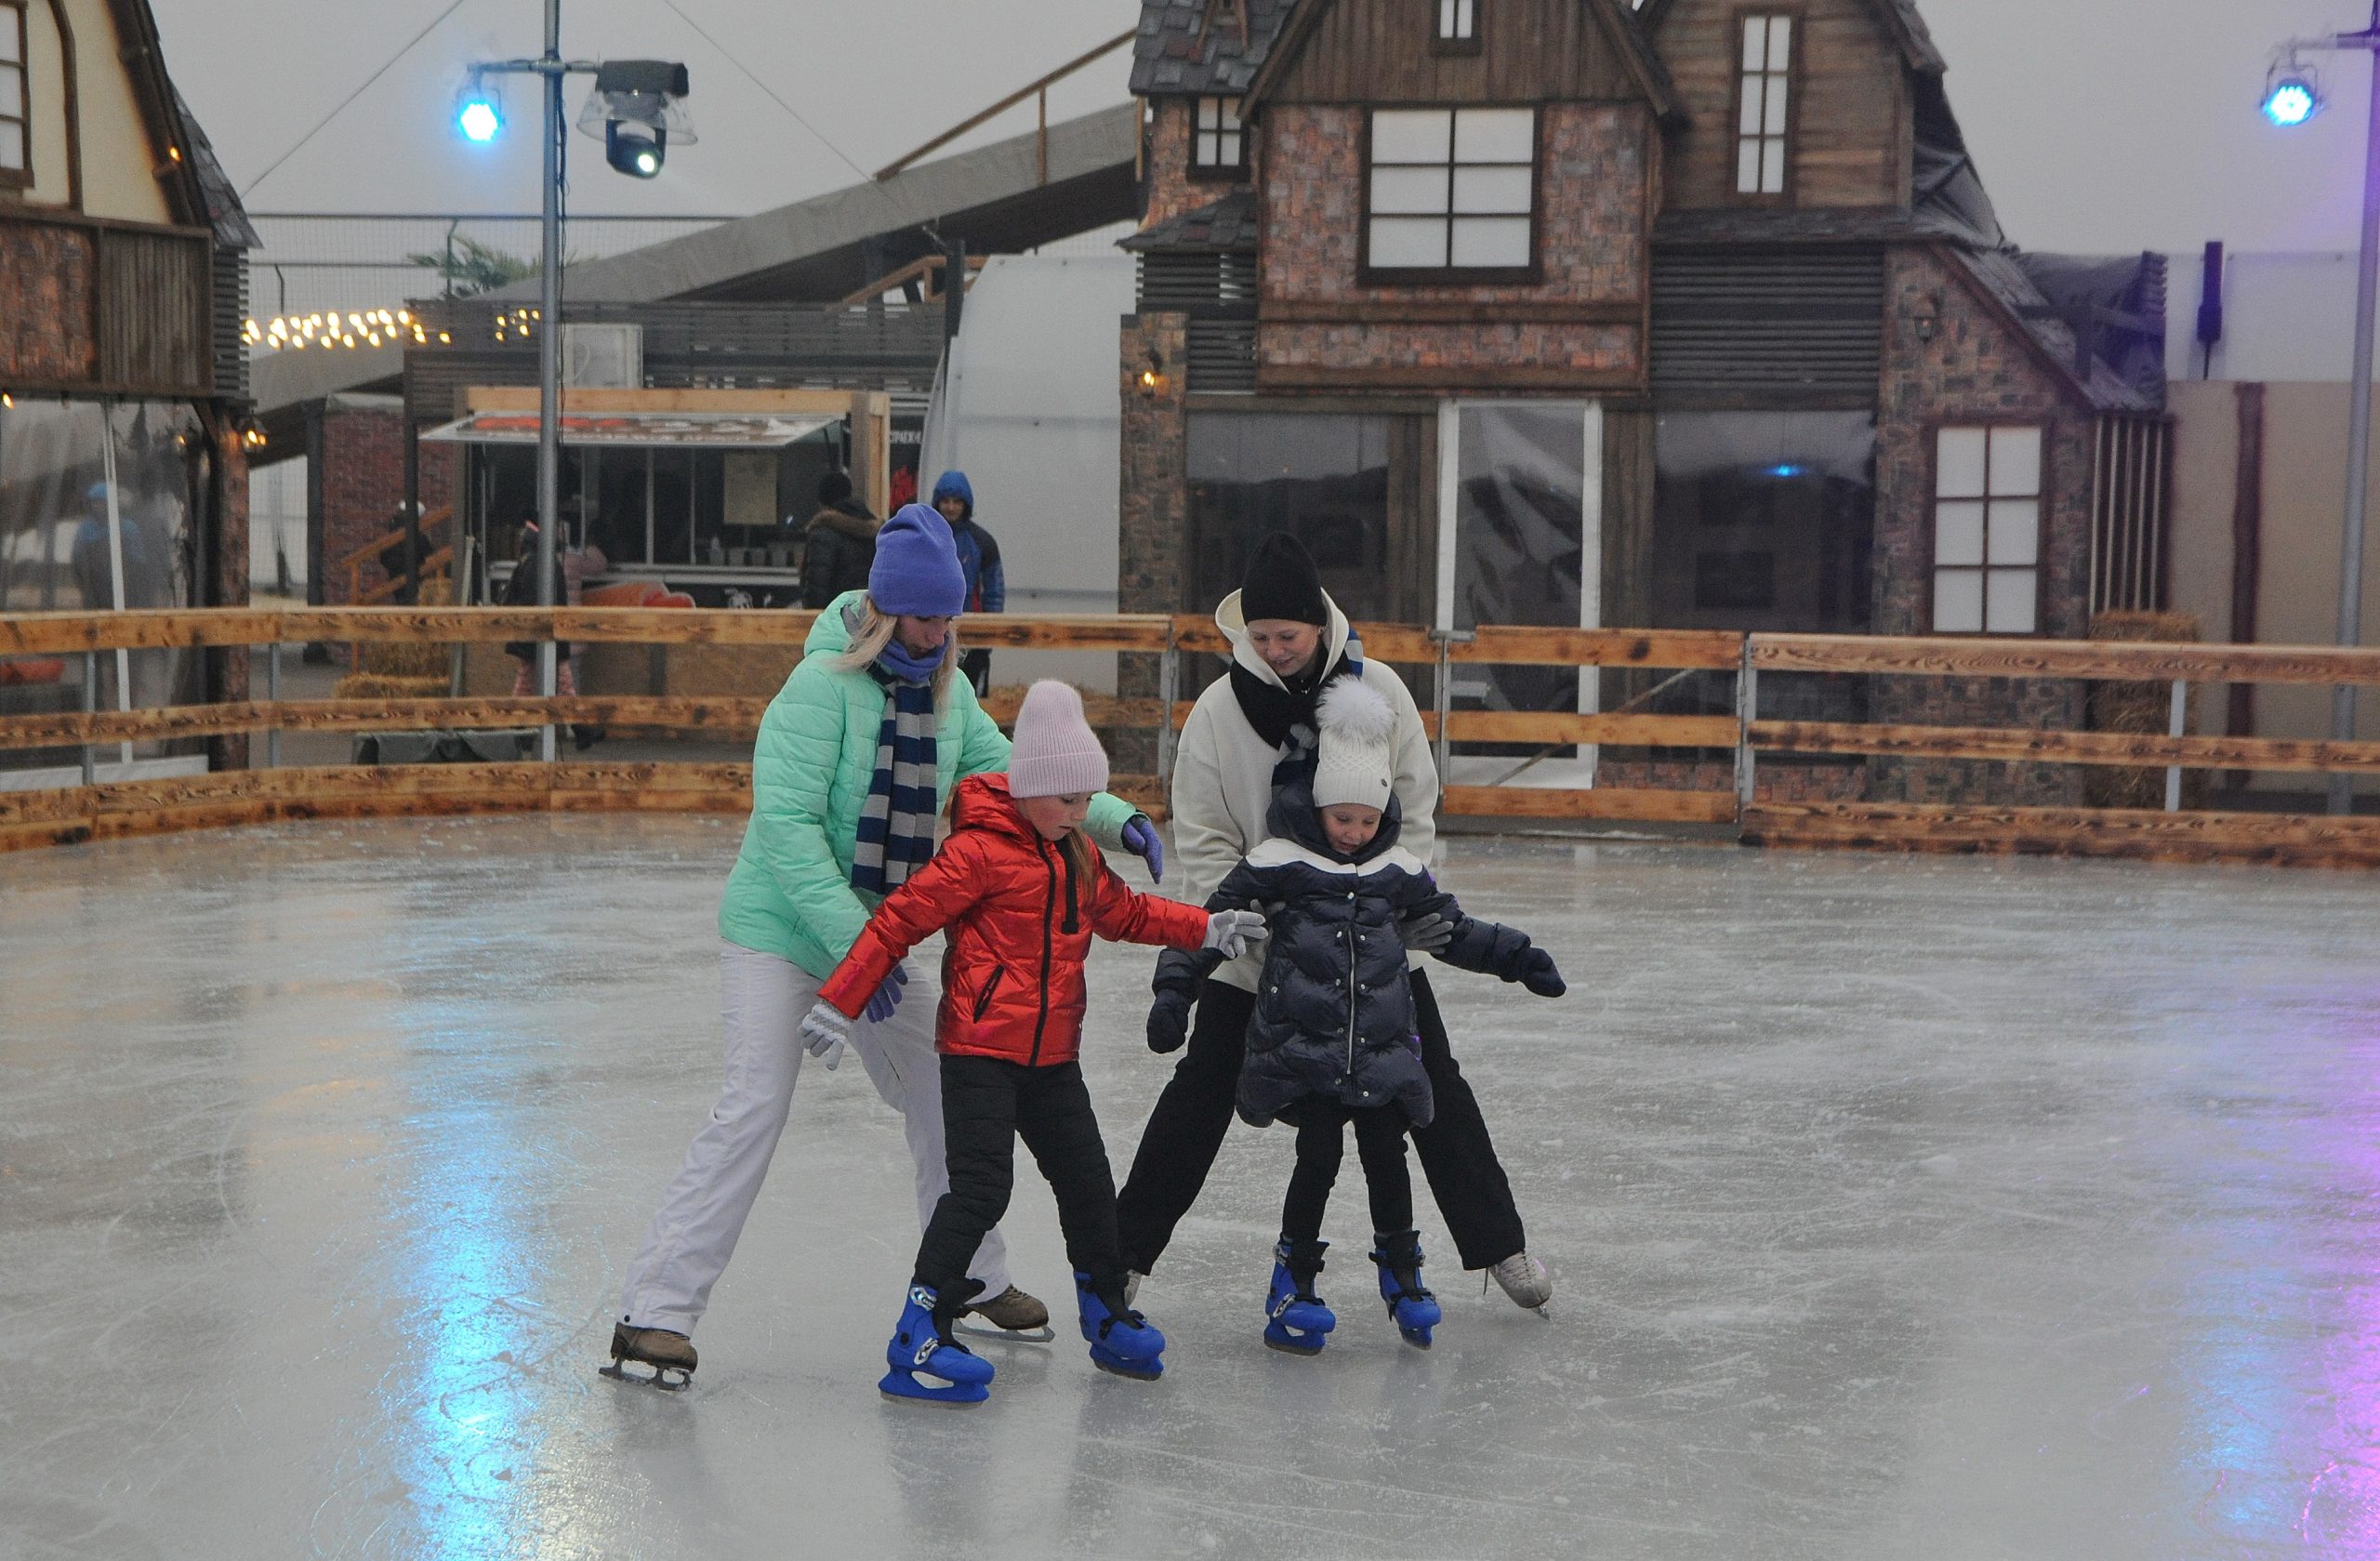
x=875, y=633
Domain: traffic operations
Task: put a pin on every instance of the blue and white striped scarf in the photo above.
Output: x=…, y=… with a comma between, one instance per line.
x=897, y=822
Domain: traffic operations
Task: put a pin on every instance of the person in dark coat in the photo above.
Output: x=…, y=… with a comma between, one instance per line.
x=1289, y=643
x=841, y=546
x=1334, y=1036
x=978, y=558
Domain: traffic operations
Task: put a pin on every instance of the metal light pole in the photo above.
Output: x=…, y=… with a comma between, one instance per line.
x=2291, y=97
x=551, y=68
x=642, y=95
x=2358, y=441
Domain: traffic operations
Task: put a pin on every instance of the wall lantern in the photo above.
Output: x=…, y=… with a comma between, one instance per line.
x=1925, y=316
x=1152, y=376
x=251, y=433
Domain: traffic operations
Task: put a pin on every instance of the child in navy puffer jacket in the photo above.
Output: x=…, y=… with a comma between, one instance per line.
x=1332, y=1041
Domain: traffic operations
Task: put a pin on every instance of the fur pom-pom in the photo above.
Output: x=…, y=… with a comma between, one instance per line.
x=1352, y=707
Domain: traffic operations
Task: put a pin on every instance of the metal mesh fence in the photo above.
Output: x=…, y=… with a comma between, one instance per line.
x=315, y=262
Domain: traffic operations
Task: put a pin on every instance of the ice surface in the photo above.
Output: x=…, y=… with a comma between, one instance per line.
x=1899, y=1208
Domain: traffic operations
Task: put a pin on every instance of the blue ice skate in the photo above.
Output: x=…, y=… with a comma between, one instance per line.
x=927, y=1364
x=1296, y=1322
x=1414, y=1309
x=1122, y=1342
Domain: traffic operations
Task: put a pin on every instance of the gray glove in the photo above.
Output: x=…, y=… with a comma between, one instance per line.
x=823, y=1029
x=1232, y=930
x=1426, y=933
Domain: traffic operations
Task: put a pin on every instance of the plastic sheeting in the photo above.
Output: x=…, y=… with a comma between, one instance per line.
x=65, y=547
x=1519, y=543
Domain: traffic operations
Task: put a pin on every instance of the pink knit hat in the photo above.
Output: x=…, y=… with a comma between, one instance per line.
x=1055, y=754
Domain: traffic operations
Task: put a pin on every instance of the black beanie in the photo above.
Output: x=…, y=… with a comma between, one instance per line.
x=1281, y=583
x=834, y=488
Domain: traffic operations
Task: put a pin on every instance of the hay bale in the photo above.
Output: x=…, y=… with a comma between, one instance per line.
x=2145, y=707
x=375, y=685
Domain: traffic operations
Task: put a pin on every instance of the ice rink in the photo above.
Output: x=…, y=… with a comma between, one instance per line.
x=1902, y=1209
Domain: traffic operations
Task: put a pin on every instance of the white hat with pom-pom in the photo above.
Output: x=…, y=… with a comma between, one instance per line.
x=1355, y=760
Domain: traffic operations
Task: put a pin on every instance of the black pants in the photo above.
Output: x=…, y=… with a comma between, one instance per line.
x=1380, y=1144
x=1186, y=1128
x=977, y=666
x=987, y=1105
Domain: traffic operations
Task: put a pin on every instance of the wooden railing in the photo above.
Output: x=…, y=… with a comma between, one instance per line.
x=1742, y=745
x=376, y=551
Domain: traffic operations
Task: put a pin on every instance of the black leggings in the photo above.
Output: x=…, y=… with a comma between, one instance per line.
x=1380, y=1144
x=988, y=1105
x=1186, y=1128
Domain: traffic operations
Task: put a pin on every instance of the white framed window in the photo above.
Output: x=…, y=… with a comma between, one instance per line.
x=15, y=106
x=1764, y=114
x=1986, y=530
x=1218, y=145
x=1458, y=24
x=1450, y=190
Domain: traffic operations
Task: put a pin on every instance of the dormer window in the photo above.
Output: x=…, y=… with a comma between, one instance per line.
x=1764, y=121
x=16, y=112
x=1218, y=144
x=1457, y=29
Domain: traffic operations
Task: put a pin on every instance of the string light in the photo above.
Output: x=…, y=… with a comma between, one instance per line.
x=377, y=327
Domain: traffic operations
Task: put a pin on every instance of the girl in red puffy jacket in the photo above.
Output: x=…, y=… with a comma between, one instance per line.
x=1021, y=891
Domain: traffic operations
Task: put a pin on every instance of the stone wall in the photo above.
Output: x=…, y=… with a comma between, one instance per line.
x=1976, y=367
x=1593, y=207
x=1152, y=506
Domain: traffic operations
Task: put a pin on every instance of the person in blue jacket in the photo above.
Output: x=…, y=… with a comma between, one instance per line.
x=979, y=559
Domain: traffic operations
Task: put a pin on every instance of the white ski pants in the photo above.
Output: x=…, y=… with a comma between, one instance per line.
x=763, y=999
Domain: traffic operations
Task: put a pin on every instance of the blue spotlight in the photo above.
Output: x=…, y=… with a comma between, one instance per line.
x=2292, y=101
x=478, y=120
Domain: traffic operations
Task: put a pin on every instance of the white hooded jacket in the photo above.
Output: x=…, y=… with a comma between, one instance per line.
x=1222, y=775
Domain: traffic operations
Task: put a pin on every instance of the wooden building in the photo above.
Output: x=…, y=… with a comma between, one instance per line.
x=1694, y=314
x=123, y=377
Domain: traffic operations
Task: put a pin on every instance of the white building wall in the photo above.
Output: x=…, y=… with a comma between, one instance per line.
x=1029, y=410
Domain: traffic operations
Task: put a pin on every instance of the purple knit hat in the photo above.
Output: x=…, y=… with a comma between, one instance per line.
x=1056, y=753
x=915, y=573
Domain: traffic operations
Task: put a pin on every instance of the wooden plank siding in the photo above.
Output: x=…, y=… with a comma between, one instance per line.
x=1379, y=51
x=98, y=308
x=1852, y=114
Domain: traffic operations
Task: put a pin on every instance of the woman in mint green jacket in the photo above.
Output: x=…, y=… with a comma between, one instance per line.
x=857, y=755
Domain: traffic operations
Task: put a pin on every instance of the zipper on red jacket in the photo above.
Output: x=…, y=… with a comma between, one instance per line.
x=983, y=999
x=1048, y=912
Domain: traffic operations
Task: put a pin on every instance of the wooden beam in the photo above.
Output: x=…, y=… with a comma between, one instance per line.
x=2141, y=749
x=1020, y=95
x=1608, y=802
x=2099, y=660
x=2292, y=840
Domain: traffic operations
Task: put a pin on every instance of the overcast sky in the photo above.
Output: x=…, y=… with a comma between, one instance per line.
x=2103, y=125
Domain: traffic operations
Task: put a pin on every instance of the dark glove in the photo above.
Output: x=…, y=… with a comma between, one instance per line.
x=1535, y=971
x=1169, y=1022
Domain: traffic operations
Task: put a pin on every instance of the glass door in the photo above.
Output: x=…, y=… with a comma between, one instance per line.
x=1520, y=542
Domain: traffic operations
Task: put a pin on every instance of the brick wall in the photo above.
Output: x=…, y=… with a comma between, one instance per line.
x=1977, y=368
x=45, y=304
x=1152, y=511
x=1593, y=210
x=226, y=669
x=1172, y=190
x=362, y=483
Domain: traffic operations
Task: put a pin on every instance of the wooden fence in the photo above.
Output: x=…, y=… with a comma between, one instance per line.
x=98, y=810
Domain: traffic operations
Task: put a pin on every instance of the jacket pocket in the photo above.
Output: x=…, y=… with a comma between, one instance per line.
x=984, y=998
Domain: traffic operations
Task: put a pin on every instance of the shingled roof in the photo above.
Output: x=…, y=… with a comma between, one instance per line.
x=1224, y=227
x=1177, y=52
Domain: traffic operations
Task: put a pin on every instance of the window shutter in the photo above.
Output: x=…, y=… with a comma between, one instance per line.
x=1805, y=321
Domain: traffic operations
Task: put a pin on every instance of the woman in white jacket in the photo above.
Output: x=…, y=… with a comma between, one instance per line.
x=1288, y=639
